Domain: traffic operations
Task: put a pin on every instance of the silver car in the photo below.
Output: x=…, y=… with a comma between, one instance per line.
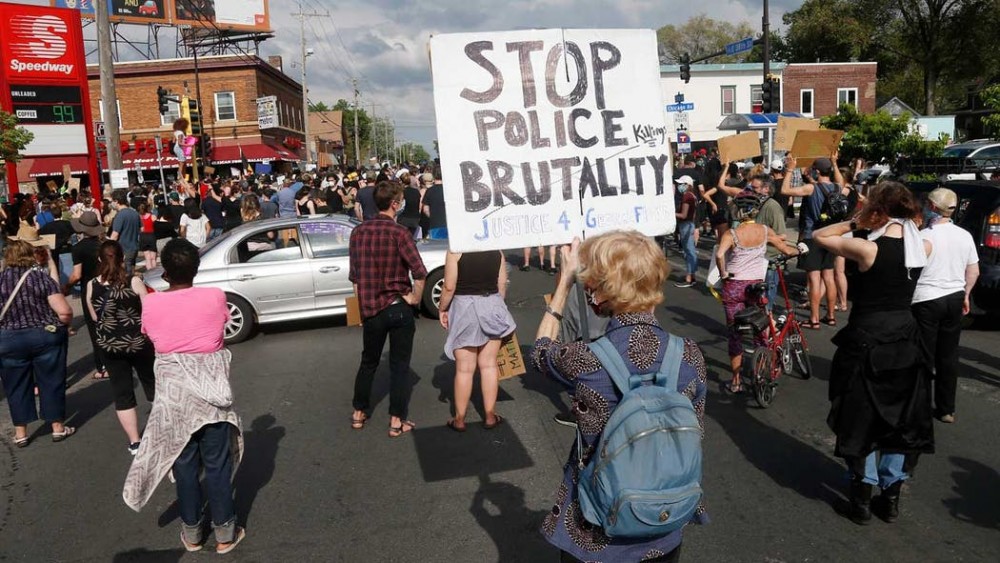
x=288, y=269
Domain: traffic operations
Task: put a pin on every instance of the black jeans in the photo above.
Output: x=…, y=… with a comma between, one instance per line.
x=672, y=557
x=120, y=368
x=396, y=323
x=940, y=323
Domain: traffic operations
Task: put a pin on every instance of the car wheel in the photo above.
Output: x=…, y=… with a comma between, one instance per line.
x=241, y=319
x=433, y=288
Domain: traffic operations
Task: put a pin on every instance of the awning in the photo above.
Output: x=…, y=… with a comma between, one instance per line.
x=145, y=160
x=53, y=165
x=254, y=152
x=753, y=121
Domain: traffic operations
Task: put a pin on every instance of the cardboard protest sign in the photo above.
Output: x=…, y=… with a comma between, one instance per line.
x=810, y=145
x=509, y=359
x=739, y=147
x=67, y=171
x=784, y=135
x=74, y=183
x=546, y=135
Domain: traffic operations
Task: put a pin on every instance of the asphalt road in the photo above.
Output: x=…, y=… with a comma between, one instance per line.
x=311, y=489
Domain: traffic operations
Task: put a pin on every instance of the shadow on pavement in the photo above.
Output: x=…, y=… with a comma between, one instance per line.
x=978, y=490
x=537, y=382
x=500, y=510
x=713, y=325
x=445, y=454
x=971, y=372
x=444, y=382
x=142, y=555
x=380, y=384
x=260, y=445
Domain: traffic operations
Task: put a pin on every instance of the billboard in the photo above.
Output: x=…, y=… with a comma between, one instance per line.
x=251, y=15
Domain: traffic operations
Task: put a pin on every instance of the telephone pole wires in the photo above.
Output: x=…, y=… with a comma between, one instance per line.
x=305, y=89
x=109, y=97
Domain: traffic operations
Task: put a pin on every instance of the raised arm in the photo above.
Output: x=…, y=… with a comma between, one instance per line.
x=786, y=183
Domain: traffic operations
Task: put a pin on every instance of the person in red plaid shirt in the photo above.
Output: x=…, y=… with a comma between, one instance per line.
x=383, y=258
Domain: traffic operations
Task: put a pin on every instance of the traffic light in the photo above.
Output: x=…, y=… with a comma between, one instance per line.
x=208, y=147
x=161, y=98
x=686, y=68
x=194, y=117
x=771, y=95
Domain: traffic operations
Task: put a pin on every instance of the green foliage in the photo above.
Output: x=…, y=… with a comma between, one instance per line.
x=413, y=152
x=702, y=35
x=319, y=107
x=991, y=99
x=879, y=136
x=13, y=139
x=827, y=31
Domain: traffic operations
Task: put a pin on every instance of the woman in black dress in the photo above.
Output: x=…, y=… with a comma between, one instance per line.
x=880, y=377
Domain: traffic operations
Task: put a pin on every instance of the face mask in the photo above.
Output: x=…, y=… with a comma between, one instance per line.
x=930, y=217
x=681, y=188
x=599, y=309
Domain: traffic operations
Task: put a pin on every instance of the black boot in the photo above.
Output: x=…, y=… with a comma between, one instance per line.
x=890, y=502
x=860, y=511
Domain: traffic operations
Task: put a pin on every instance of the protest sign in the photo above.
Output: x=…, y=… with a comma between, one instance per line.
x=546, y=135
x=74, y=183
x=810, y=145
x=739, y=147
x=510, y=361
x=67, y=171
x=784, y=135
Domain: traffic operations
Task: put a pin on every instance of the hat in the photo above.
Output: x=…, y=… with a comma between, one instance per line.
x=427, y=178
x=944, y=199
x=174, y=196
x=30, y=235
x=777, y=165
x=401, y=171
x=823, y=165
x=88, y=224
x=685, y=179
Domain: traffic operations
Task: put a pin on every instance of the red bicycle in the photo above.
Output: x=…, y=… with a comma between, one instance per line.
x=781, y=345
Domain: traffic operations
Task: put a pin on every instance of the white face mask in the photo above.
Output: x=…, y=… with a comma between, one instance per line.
x=681, y=188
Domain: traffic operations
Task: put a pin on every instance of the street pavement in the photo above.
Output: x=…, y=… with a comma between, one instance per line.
x=312, y=489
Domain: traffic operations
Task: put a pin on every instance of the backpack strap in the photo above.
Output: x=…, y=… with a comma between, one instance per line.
x=670, y=367
x=622, y=377
x=612, y=362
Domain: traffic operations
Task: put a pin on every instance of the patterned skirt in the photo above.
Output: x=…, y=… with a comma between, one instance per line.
x=734, y=300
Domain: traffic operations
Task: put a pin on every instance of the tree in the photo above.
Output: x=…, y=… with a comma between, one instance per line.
x=364, y=129
x=826, y=31
x=13, y=139
x=437, y=151
x=702, y=35
x=413, y=152
x=879, y=136
x=991, y=99
x=320, y=106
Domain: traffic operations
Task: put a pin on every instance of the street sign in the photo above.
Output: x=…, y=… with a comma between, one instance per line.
x=99, y=131
x=680, y=121
x=678, y=98
x=683, y=143
x=689, y=106
x=740, y=46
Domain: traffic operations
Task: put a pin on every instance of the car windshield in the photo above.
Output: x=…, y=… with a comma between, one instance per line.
x=210, y=245
x=958, y=152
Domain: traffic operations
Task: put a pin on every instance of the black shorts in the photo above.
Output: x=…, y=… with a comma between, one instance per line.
x=720, y=217
x=147, y=242
x=817, y=258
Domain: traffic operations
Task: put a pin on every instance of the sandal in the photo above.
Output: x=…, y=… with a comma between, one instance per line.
x=814, y=325
x=497, y=421
x=224, y=548
x=21, y=442
x=404, y=427
x=358, y=423
x=99, y=374
x=66, y=433
x=829, y=321
x=451, y=424
x=190, y=547
x=731, y=389
x=525, y=268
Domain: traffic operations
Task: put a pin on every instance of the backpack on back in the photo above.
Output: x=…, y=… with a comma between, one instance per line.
x=835, y=206
x=644, y=479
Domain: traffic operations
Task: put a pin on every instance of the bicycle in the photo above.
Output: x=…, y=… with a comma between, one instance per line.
x=784, y=344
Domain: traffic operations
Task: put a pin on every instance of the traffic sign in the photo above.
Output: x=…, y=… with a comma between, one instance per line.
x=680, y=121
x=689, y=106
x=683, y=142
x=99, y=131
x=740, y=46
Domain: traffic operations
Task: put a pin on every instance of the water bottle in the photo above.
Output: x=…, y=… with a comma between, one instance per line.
x=781, y=321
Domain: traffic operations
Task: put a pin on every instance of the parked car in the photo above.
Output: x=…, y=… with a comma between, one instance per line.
x=983, y=152
x=978, y=212
x=289, y=269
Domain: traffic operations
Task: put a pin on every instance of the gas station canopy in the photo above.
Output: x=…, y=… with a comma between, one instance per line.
x=753, y=121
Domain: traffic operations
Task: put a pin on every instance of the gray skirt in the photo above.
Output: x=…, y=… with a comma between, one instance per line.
x=474, y=320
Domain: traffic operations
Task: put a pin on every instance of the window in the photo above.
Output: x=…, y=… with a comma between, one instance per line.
x=280, y=245
x=728, y=100
x=100, y=107
x=847, y=96
x=225, y=106
x=172, y=115
x=756, y=94
x=806, y=102
x=327, y=239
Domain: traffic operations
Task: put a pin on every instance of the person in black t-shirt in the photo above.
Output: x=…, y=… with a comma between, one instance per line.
x=433, y=208
x=85, y=257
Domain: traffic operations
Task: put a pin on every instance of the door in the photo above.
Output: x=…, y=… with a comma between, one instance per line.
x=330, y=264
x=271, y=271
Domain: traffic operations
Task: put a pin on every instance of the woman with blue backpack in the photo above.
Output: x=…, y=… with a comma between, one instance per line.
x=633, y=478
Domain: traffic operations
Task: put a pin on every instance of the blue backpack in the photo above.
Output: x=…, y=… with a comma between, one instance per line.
x=644, y=479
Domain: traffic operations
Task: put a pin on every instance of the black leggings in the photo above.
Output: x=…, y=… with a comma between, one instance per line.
x=120, y=368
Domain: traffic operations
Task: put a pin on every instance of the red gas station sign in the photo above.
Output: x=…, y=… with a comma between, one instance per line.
x=43, y=81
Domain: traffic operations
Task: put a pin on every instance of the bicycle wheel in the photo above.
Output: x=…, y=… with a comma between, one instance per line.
x=799, y=354
x=761, y=364
x=785, y=357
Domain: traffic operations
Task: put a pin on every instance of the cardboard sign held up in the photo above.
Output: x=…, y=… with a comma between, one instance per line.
x=739, y=147
x=67, y=171
x=784, y=135
x=52, y=185
x=74, y=183
x=509, y=359
x=810, y=145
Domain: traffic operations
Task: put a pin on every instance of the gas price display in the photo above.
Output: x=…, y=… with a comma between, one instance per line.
x=47, y=105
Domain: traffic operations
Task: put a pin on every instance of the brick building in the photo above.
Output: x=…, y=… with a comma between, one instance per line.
x=230, y=86
x=818, y=89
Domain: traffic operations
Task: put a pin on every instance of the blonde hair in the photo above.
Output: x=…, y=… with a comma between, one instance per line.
x=626, y=268
x=19, y=254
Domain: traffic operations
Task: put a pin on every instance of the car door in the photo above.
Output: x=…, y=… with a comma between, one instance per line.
x=988, y=159
x=270, y=270
x=327, y=241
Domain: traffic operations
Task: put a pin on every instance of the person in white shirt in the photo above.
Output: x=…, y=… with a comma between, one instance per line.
x=942, y=295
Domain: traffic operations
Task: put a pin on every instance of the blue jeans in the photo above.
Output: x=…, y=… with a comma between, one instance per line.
x=65, y=264
x=440, y=233
x=771, y=279
x=30, y=357
x=685, y=229
x=213, y=233
x=207, y=449
x=884, y=469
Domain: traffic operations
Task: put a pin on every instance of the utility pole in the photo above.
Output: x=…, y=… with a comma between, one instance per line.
x=766, y=28
x=374, y=125
x=109, y=97
x=357, y=147
x=305, y=90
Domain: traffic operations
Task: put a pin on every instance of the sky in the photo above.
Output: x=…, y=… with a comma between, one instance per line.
x=383, y=43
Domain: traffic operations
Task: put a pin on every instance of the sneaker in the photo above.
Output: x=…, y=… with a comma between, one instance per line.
x=133, y=448
x=684, y=284
x=566, y=419
x=224, y=548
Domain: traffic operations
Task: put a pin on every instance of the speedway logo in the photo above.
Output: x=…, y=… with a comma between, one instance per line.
x=38, y=37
